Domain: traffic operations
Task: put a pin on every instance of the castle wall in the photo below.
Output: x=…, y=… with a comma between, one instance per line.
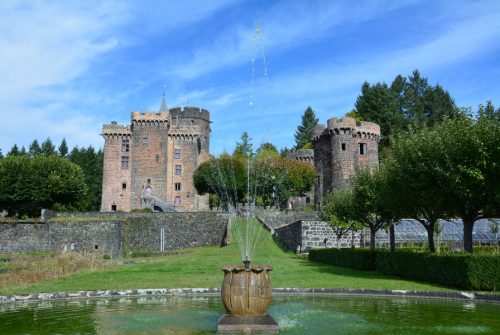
x=150, y=157
x=114, y=194
x=114, y=233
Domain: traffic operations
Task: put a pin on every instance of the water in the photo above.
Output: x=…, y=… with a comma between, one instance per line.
x=295, y=315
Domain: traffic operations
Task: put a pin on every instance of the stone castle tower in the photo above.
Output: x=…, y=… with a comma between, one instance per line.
x=339, y=148
x=150, y=163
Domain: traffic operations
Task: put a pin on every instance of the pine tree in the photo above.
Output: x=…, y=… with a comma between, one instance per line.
x=14, y=151
x=48, y=148
x=23, y=151
x=1, y=155
x=34, y=149
x=63, y=148
x=304, y=131
x=244, y=148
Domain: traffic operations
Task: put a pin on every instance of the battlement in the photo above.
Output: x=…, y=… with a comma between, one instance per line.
x=346, y=122
x=137, y=116
x=115, y=129
x=350, y=123
x=190, y=112
x=303, y=155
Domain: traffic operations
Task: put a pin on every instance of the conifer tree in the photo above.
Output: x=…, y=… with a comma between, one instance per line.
x=48, y=148
x=244, y=148
x=23, y=151
x=14, y=151
x=63, y=148
x=34, y=149
x=304, y=131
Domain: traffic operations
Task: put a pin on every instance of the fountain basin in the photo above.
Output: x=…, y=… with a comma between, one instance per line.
x=246, y=292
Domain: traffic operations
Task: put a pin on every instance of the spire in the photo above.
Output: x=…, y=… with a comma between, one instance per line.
x=163, y=107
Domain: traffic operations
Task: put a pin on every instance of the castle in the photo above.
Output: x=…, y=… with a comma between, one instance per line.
x=150, y=163
x=339, y=148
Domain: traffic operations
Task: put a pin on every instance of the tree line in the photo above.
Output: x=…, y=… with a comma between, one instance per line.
x=262, y=177
x=46, y=177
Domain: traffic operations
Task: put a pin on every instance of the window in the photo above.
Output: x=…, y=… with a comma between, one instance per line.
x=177, y=153
x=113, y=208
x=125, y=145
x=124, y=186
x=72, y=247
x=96, y=246
x=177, y=186
x=124, y=162
x=177, y=200
x=178, y=169
x=362, y=148
x=343, y=146
x=145, y=140
x=149, y=181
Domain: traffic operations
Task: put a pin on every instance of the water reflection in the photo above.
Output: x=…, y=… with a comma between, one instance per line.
x=295, y=315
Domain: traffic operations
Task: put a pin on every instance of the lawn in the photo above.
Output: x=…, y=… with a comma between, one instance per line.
x=201, y=267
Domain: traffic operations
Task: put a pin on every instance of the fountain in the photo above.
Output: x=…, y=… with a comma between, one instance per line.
x=246, y=290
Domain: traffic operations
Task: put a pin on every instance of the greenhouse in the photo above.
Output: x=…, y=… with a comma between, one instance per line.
x=409, y=232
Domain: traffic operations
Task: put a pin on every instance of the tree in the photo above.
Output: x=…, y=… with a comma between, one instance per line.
x=373, y=201
x=225, y=177
x=1, y=155
x=91, y=163
x=275, y=179
x=267, y=149
x=244, y=148
x=14, y=151
x=488, y=111
x=48, y=148
x=34, y=149
x=470, y=166
x=415, y=156
x=339, y=211
x=63, y=148
x=407, y=102
x=304, y=130
x=29, y=184
x=379, y=104
x=451, y=169
x=23, y=151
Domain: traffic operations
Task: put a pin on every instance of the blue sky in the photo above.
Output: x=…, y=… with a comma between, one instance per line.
x=67, y=67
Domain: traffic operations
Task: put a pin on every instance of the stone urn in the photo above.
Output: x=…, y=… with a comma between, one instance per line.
x=246, y=291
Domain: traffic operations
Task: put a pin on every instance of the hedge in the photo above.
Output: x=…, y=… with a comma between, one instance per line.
x=360, y=259
x=464, y=271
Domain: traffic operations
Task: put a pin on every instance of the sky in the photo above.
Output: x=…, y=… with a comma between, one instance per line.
x=68, y=67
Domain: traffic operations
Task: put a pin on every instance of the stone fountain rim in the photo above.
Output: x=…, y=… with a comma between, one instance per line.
x=253, y=268
x=444, y=295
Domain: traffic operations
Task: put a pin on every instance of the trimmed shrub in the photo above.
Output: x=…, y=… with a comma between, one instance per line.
x=460, y=270
x=360, y=259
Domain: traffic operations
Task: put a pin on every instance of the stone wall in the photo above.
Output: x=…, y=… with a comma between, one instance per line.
x=103, y=237
x=274, y=219
x=303, y=235
x=114, y=233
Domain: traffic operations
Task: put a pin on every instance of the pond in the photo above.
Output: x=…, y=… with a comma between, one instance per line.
x=295, y=315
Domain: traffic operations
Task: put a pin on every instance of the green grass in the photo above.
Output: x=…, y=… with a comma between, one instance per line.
x=201, y=267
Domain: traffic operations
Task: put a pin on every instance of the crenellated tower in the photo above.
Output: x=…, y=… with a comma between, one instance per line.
x=150, y=163
x=339, y=148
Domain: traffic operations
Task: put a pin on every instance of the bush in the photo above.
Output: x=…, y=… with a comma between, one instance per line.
x=361, y=259
x=460, y=270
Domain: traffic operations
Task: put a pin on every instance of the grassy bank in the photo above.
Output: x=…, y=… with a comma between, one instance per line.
x=201, y=267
